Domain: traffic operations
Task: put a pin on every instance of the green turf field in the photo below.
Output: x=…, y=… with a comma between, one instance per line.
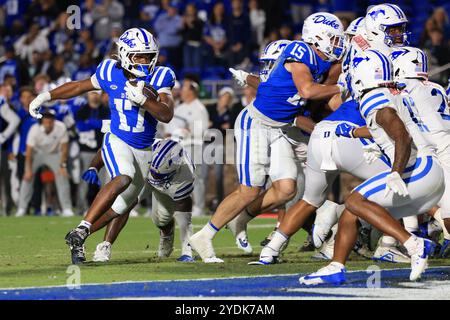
x=33, y=253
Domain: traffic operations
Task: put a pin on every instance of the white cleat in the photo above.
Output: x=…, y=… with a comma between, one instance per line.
x=333, y=273
x=326, y=218
x=243, y=244
x=166, y=243
x=102, y=252
x=239, y=230
x=267, y=256
x=20, y=212
x=203, y=246
x=419, y=260
x=390, y=254
x=327, y=249
x=134, y=213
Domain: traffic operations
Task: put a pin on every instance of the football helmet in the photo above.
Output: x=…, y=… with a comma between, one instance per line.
x=134, y=42
x=326, y=32
x=167, y=158
x=270, y=54
x=409, y=62
x=386, y=23
x=369, y=70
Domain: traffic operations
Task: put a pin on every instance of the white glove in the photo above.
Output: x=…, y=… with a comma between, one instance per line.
x=240, y=76
x=371, y=153
x=395, y=183
x=342, y=84
x=135, y=94
x=35, y=105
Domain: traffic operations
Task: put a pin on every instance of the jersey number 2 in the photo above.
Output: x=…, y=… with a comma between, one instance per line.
x=123, y=105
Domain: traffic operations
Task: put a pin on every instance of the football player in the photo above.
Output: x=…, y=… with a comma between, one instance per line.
x=413, y=185
x=126, y=149
x=262, y=148
x=170, y=181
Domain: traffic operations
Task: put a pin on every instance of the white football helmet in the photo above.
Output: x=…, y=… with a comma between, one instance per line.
x=381, y=20
x=326, y=32
x=137, y=41
x=369, y=70
x=409, y=62
x=354, y=26
x=270, y=54
x=167, y=158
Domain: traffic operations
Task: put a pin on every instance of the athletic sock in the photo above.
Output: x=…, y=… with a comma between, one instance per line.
x=388, y=241
x=85, y=224
x=209, y=230
x=411, y=224
x=183, y=220
x=278, y=239
x=412, y=245
x=337, y=264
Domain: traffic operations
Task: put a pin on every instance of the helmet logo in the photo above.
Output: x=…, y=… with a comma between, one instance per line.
x=395, y=54
x=357, y=60
x=376, y=13
x=127, y=41
x=323, y=20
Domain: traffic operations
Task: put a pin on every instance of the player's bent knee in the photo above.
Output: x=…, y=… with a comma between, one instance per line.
x=123, y=181
x=353, y=201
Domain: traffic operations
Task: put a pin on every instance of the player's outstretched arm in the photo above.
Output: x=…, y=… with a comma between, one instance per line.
x=162, y=109
x=65, y=91
x=306, y=86
x=389, y=120
x=305, y=123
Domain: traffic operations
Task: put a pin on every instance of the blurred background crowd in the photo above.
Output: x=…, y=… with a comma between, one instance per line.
x=199, y=39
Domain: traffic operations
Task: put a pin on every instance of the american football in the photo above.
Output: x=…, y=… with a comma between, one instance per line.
x=292, y=150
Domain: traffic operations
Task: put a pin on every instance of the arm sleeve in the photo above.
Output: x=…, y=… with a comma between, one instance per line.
x=95, y=82
x=12, y=118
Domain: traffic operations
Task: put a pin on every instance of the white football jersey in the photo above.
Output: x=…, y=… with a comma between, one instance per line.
x=180, y=185
x=432, y=107
x=380, y=98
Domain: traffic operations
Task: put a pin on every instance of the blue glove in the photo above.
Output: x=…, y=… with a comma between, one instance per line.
x=345, y=130
x=91, y=176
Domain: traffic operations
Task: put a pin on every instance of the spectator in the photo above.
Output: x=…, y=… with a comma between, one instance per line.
x=189, y=124
x=300, y=9
x=192, y=36
x=89, y=123
x=215, y=35
x=57, y=70
x=168, y=26
x=13, y=11
x=13, y=66
x=286, y=32
x=86, y=68
x=106, y=15
x=47, y=144
x=239, y=34
x=31, y=42
x=8, y=117
x=148, y=13
x=257, y=21
x=439, y=52
x=221, y=117
x=441, y=20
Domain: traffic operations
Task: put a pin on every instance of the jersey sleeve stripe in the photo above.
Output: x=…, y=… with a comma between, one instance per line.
x=385, y=65
x=155, y=76
x=102, y=69
x=370, y=108
x=161, y=77
x=109, y=71
x=182, y=190
x=311, y=54
x=378, y=95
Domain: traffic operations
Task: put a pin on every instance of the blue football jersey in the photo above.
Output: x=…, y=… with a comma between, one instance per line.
x=131, y=123
x=348, y=111
x=278, y=98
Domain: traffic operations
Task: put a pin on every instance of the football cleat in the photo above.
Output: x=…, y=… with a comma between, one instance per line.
x=327, y=250
x=419, y=260
x=308, y=245
x=75, y=240
x=186, y=258
x=390, y=254
x=102, y=252
x=203, y=246
x=331, y=274
x=166, y=243
x=243, y=244
x=266, y=241
x=267, y=256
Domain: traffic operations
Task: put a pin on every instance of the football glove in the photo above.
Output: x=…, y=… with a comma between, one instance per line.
x=35, y=105
x=395, y=183
x=91, y=176
x=345, y=130
x=135, y=93
x=371, y=153
x=240, y=76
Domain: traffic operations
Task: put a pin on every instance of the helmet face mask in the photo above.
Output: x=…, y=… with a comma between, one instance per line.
x=268, y=57
x=395, y=35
